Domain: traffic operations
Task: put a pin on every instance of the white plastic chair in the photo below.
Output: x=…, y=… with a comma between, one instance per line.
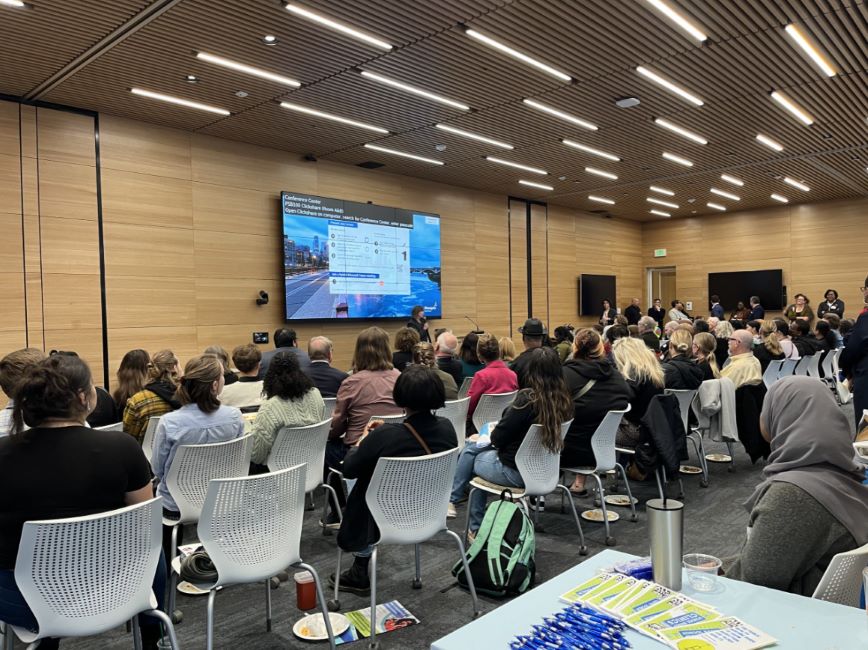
x=465, y=387
x=408, y=499
x=830, y=362
x=456, y=412
x=490, y=407
x=251, y=528
x=85, y=575
x=788, y=367
x=685, y=399
x=540, y=472
x=603, y=446
x=193, y=467
x=148, y=439
x=328, y=407
x=802, y=366
x=842, y=581
x=117, y=426
x=772, y=373
x=813, y=368
x=304, y=445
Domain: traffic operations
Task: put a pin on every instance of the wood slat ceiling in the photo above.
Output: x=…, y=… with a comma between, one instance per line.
x=597, y=42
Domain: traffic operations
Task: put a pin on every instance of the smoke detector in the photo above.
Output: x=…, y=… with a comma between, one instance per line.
x=440, y=147
x=627, y=102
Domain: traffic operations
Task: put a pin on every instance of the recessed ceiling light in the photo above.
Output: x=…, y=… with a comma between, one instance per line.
x=304, y=12
x=474, y=136
x=560, y=114
x=333, y=118
x=767, y=141
x=247, y=69
x=12, y=3
x=679, y=19
x=668, y=85
x=781, y=198
x=661, y=190
x=795, y=110
x=690, y=135
x=524, y=58
x=627, y=102
x=727, y=195
x=717, y=206
x=660, y=212
x=191, y=79
x=180, y=102
x=810, y=49
x=795, y=183
x=403, y=154
x=665, y=204
x=509, y=163
x=270, y=39
x=562, y=178
x=413, y=89
x=600, y=172
x=600, y=199
x=677, y=159
x=732, y=179
x=537, y=185
x=242, y=93
x=590, y=150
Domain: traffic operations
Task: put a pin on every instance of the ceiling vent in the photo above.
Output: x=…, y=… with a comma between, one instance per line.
x=370, y=164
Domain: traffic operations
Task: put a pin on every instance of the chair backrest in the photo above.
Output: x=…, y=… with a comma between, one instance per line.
x=603, y=440
x=117, y=426
x=465, y=387
x=538, y=466
x=829, y=363
x=389, y=419
x=490, y=407
x=685, y=399
x=251, y=525
x=194, y=466
x=408, y=497
x=148, y=440
x=456, y=412
x=814, y=365
x=842, y=581
x=328, y=407
x=802, y=366
x=85, y=575
x=301, y=446
x=788, y=367
x=773, y=371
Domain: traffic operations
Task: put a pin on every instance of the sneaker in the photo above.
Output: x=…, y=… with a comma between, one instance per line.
x=537, y=503
x=451, y=513
x=471, y=537
x=331, y=521
x=354, y=580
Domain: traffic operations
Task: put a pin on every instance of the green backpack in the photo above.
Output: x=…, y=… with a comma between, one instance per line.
x=501, y=557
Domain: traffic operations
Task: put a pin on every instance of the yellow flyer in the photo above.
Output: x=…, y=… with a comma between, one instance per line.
x=728, y=633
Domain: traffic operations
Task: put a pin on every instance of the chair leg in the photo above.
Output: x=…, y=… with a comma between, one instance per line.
x=209, y=621
x=467, y=516
x=610, y=541
x=417, y=552
x=470, y=586
x=310, y=504
x=167, y=625
x=731, y=467
x=173, y=577
x=657, y=474
x=334, y=495
x=335, y=603
x=620, y=468
x=320, y=598
x=268, y=605
x=137, y=633
x=373, y=578
x=583, y=548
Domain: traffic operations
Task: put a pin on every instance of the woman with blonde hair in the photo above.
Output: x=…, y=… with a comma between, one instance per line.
x=156, y=398
x=507, y=349
x=222, y=355
x=704, y=345
x=770, y=347
x=423, y=355
x=641, y=369
x=680, y=369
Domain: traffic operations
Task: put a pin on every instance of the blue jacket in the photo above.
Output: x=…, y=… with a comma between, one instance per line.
x=717, y=311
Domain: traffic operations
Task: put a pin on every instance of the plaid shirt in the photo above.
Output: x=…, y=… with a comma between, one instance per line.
x=140, y=408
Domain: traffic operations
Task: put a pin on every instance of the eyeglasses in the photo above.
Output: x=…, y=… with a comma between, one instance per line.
x=732, y=339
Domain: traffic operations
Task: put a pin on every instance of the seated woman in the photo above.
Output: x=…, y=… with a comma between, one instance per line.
x=495, y=377
x=813, y=491
x=824, y=335
x=596, y=387
x=470, y=362
x=641, y=369
x=680, y=369
x=131, y=377
x=563, y=341
x=292, y=401
x=156, y=398
x=507, y=349
x=61, y=468
x=769, y=349
x=406, y=339
x=419, y=391
x=782, y=332
x=200, y=420
x=704, y=346
x=423, y=355
x=544, y=400
x=222, y=355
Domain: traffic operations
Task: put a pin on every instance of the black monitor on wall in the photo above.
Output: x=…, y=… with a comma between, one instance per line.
x=593, y=290
x=741, y=285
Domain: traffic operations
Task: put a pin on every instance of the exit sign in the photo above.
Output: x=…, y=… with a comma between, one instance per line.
x=659, y=252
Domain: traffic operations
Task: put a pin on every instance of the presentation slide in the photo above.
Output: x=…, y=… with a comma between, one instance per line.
x=357, y=260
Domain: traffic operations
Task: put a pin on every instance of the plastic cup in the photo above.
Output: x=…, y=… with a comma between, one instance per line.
x=305, y=591
x=701, y=571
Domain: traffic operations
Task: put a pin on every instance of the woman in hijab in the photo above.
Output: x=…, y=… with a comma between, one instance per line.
x=813, y=491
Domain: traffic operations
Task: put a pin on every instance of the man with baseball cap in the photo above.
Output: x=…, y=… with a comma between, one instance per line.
x=532, y=334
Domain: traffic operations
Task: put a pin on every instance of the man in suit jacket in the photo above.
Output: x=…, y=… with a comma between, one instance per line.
x=285, y=340
x=717, y=308
x=326, y=378
x=757, y=312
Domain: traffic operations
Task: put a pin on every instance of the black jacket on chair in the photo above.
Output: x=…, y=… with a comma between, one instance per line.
x=663, y=428
x=748, y=406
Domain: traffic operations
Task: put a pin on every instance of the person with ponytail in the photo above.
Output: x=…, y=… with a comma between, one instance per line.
x=680, y=369
x=704, y=346
x=156, y=398
x=769, y=349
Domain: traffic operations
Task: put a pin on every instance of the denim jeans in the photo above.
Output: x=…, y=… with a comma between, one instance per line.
x=484, y=463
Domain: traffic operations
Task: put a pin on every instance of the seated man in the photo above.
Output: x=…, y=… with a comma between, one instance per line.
x=13, y=367
x=285, y=340
x=677, y=312
x=247, y=391
x=445, y=349
x=325, y=377
x=743, y=368
x=647, y=325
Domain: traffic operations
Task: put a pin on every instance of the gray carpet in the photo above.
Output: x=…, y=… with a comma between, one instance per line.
x=714, y=523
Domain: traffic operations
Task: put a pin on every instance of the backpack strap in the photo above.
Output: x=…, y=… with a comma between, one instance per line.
x=588, y=386
x=418, y=438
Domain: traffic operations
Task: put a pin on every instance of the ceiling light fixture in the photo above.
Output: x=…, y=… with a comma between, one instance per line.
x=795, y=110
x=180, y=102
x=413, y=89
x=732, y=179
x=661, y=190
x=665, y=204
x=690, y=135
x=247, y=69
x=191, y=79
x=509, y=163
x=679, y=19
x=677, y=159
x=537, y=185
x=717, y=206
x=473, y=136
x=781, y=198
x=337, y=26
x=668, y=85
x=590, y=150
x=660, y=212
x=12, y=3
x=795, y=183
x=524, y=58
x=600, y=199
x=403, y=154
x=810, y=49
x=767, y=141
x=727, y=195
x=333, y=118
x=270, y=39
x=600, y=172
x=560, y=114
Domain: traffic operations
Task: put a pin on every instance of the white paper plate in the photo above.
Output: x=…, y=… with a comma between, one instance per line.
x=719, y=458
x=597, y=515
x=190, y=590
x=690, y=469
x=620, y=500
x=312, y=627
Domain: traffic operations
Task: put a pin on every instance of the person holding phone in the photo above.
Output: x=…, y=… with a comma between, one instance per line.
x=419, y=323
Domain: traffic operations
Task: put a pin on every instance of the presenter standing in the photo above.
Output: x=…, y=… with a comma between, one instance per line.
x=419, y=323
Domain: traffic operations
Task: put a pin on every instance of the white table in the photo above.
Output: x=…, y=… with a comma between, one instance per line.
x=796, y=622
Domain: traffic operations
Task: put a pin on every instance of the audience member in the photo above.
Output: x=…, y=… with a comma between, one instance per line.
x=704, y=348
x=247, y=391
x=800, y=335
x=722, y=333
x=657, y=312
x=812, y=492
x=680, y=370
x=13, y=368
x=222, y=355
x=800, y=310
x=532, y=334
x=620, y=319
x=835, y=323
x=292, y=401
x=105, y=412
x=507, y=349
x=782, y=331
x=743, y=367
x=596, y=387
x=847, y=325
x=406, y=339
x=677, y=312
x=641, y=370
x=132, y=376
x=495, y=377
x=741, y=312
x=757, y=312
x=285, y=340
x=608, y=314
x=833, y=305
x=419, y=324
x=445, y=349
x=700, y=325
x=156, y=398
x=712, y=323
x=423, y=355
x=854, y=359
x=614, y=333
x=753, y=326
x=823, y=334
x=470, y=363
x=632, y=312
x=563, y=341
x=647, y=326
x=769, y=348
x=419, y=392
x=717, y=308
x=326, y=378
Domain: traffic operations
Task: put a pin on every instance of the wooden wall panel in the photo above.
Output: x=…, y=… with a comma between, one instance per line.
x=10, y=138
